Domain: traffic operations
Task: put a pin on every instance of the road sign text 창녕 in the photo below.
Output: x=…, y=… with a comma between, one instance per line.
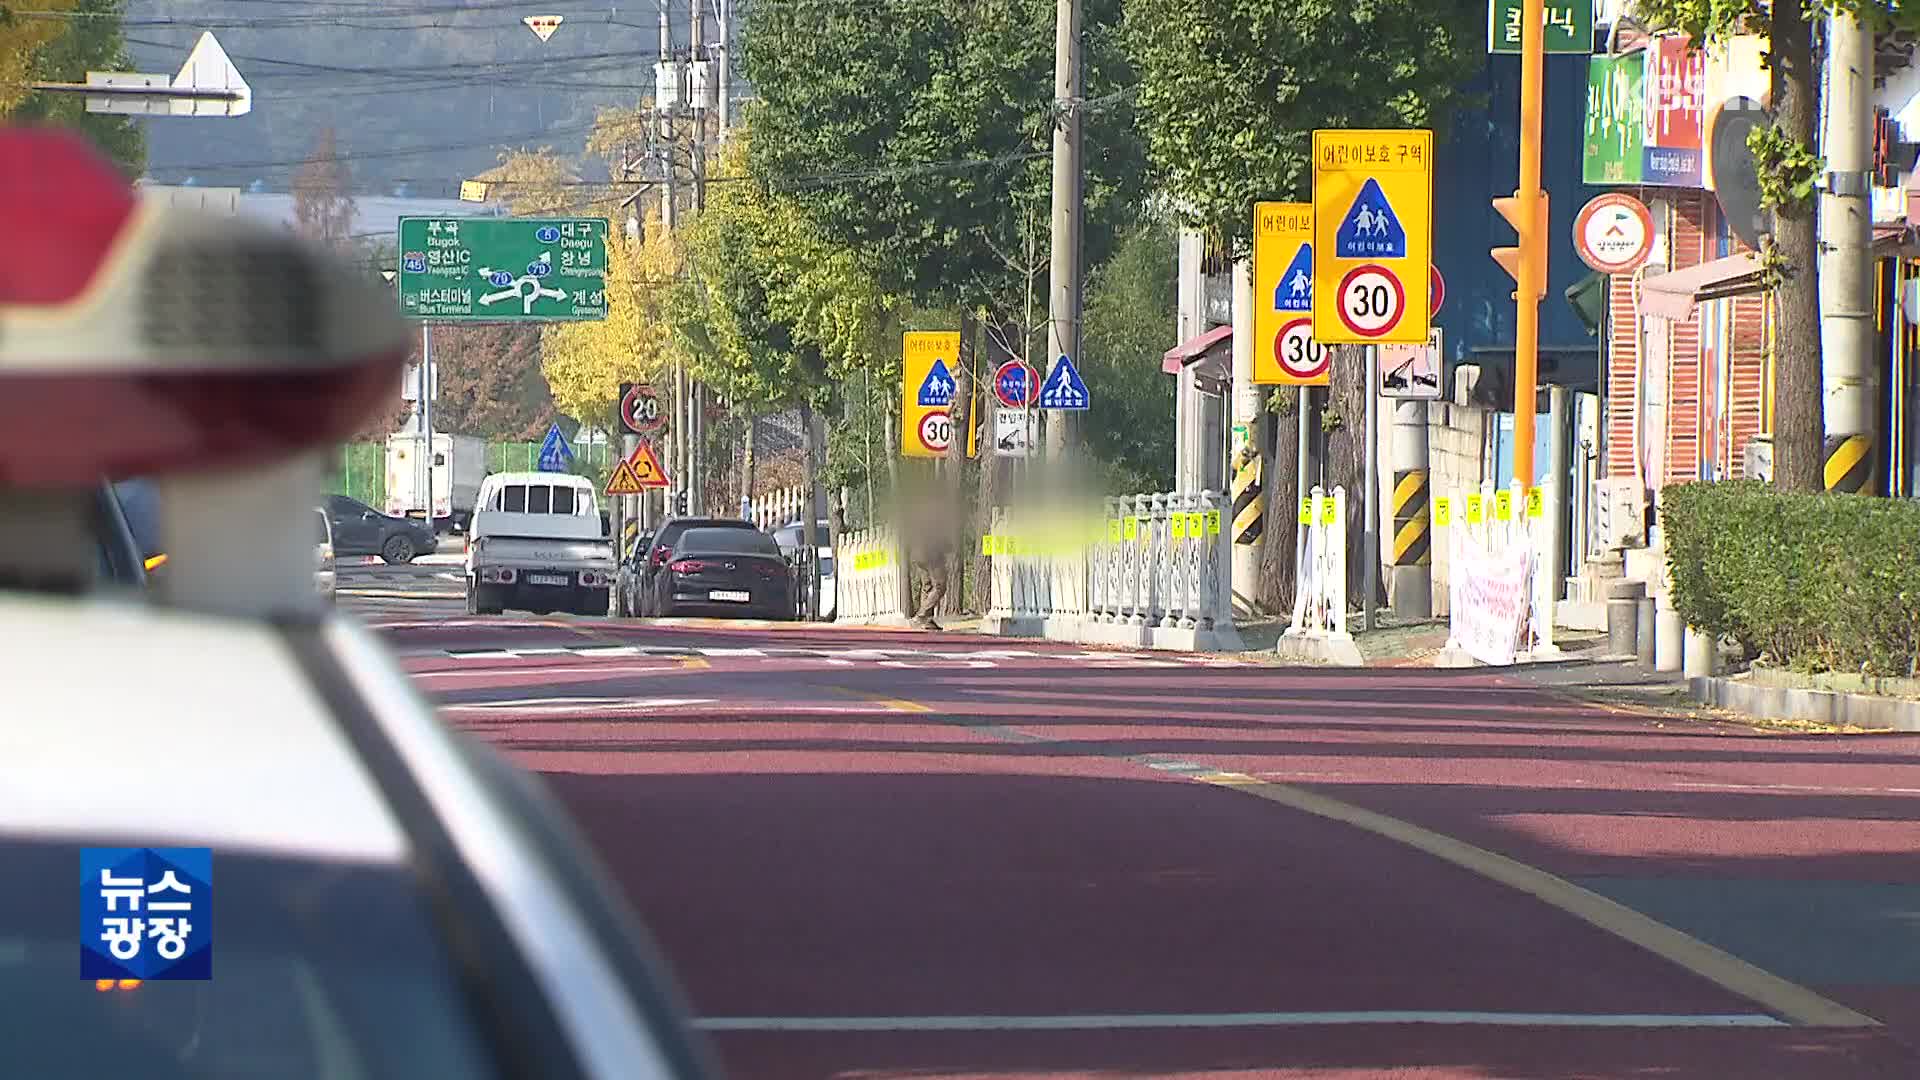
x=1284, y=350
x=1372, y=236
x=484, y=269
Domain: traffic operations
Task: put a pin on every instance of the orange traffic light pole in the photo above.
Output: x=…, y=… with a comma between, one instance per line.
x=1526, y=211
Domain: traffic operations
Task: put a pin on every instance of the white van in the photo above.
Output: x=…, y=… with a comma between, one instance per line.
x=538, y=544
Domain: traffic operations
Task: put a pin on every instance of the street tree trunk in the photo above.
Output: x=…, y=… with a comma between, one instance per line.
x=1346, y=462
x=1278, y=574
x=1799, y=428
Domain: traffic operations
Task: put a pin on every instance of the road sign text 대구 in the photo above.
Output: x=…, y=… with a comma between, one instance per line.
x=1284, y=350
x=1372, y=236
x=503, y=269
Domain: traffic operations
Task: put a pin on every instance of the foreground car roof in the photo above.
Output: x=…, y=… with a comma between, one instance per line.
x=122, y=695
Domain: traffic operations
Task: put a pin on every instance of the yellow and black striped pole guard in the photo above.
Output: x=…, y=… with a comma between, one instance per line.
x=1849, y=463
x=1248, y=506
x=1412, y=526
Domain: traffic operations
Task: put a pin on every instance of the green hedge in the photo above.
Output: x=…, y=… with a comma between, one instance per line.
x=1811, y=582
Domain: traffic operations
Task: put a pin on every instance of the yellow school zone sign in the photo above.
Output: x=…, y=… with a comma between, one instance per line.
x=1285, y=352
x=930, y=362
x=1372, y=236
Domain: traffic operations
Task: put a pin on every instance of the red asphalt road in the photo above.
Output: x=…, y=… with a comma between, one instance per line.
x=828, y=839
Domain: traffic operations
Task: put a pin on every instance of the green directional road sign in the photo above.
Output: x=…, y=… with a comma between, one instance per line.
x=492, y=269
x=1569, y=26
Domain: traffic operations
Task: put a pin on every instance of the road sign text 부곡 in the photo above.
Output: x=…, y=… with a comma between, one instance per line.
x=482, y=269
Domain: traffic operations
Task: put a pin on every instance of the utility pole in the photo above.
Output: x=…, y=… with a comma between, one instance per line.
x=724, y=91
x=699, y=86
x=426, y=419
x=1526, y=211
x=1847, y=332
x=666, y=92
x=1063, y=278
x=1244, y=585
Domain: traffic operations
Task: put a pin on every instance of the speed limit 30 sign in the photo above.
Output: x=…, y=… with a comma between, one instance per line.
x=1372, y=301
x=1300, y=360
x=936, y=431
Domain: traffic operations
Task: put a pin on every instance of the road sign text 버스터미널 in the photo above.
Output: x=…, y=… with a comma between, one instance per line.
x=482, y=269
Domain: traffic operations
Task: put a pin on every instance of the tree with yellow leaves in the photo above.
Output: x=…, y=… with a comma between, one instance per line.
x=22, y=37
x=585, y=362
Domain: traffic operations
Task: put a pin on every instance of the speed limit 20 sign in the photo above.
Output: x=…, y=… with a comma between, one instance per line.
x=640, y=410
x=1372, y=236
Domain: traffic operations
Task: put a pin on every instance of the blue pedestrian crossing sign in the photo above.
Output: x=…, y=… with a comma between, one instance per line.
x=1371, y=230
x=1294, y=291
x=1064, y=388
x=555, y=454
x=936, y=390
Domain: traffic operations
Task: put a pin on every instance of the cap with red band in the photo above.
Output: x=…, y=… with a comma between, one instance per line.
x=139, y=340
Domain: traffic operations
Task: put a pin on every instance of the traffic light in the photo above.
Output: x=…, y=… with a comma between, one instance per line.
x=1533, y=239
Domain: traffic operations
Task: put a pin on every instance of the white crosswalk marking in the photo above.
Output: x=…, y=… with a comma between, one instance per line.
x=846, y=657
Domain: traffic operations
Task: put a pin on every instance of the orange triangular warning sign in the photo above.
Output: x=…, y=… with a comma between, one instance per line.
x=646, y=467
x=623, y=481
x=640, y=471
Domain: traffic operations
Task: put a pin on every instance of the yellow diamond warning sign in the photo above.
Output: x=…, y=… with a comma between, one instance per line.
x=637, y=473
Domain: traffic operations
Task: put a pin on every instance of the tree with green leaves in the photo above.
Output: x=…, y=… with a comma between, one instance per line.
x=921, y=140
x=1130, y=305
x=1230, y=94
x=93, y=41
x=1231, y=91
x=1784, y=155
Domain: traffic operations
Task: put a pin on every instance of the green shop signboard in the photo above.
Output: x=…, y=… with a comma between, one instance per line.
x=1569, y=26
x=1616, y=137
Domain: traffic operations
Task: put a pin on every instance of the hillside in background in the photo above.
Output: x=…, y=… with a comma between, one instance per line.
x=422, y=93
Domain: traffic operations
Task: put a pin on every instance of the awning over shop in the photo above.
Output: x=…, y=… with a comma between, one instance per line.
x=1672, y=295
x=1195, y=349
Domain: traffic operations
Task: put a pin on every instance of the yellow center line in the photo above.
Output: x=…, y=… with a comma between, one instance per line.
x=1784, y=998
x=893, y=704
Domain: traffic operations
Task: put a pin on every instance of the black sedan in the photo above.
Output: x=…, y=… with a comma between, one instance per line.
x=359, y=529
x=726, y=572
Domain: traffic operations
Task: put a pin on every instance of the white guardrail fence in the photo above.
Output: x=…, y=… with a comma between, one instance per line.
x=776, y=508
x=1141, y=571
x=867, y=585
x=1499, y=577
x=1319, y=627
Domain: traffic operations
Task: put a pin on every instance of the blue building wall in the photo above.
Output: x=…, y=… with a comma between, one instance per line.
x=1480, y=159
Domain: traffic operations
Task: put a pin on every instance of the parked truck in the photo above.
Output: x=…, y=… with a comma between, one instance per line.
x=459, y=464
x=538, y=545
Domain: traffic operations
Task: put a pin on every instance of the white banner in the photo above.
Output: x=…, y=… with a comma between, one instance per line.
x=1490, y=598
